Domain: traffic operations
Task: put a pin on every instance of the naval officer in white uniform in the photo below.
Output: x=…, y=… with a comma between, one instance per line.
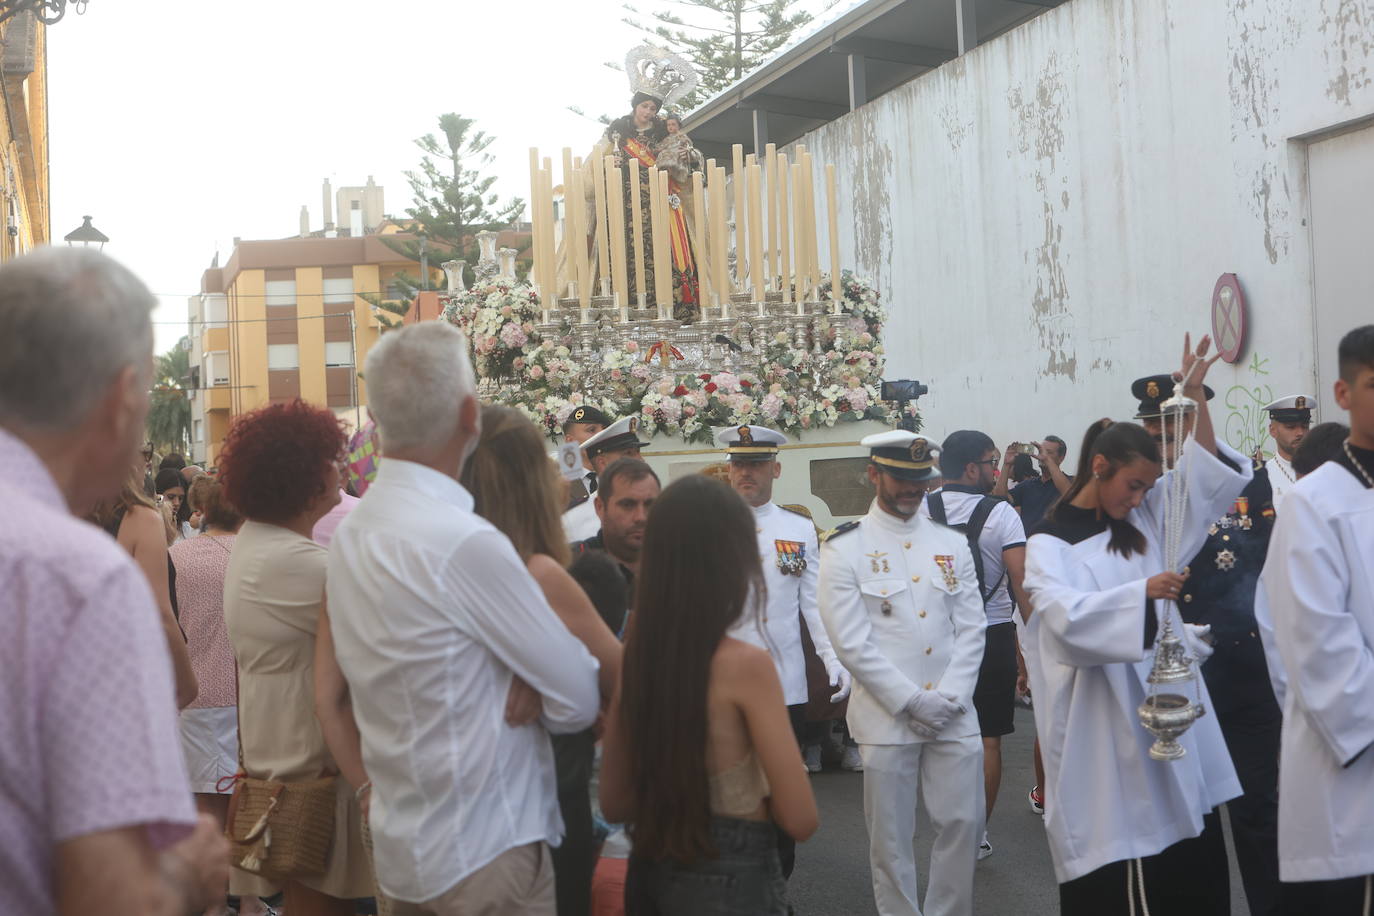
x=1289, y=420
x=791, y=568
x=899, y=598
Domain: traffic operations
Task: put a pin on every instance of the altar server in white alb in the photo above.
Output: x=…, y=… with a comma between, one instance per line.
x=1289, y=420
x=788, y=547
x=1318, y=628
x=1123, y=826
x=899, y=597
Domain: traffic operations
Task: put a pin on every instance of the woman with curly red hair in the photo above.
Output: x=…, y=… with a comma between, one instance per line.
x=279, y=468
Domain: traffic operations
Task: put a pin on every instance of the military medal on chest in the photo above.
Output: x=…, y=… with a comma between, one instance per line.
x=791, y=557
x=875, y=557
x=946, y=564
x=1238, y=517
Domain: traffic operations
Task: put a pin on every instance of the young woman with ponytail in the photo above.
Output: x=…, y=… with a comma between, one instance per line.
x=1095, y=572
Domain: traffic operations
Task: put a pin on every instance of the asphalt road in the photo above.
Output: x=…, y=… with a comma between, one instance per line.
x=832, y=873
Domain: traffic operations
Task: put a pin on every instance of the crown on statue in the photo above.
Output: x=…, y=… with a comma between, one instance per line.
x=660, y=73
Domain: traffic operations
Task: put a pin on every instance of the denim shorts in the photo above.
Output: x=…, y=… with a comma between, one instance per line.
x=745, y=880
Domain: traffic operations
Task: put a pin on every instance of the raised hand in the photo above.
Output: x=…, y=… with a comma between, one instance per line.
x=1195, y=364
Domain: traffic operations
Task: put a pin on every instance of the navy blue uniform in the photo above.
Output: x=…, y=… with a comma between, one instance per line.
x=1220, y=591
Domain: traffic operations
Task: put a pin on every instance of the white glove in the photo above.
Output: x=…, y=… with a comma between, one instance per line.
x=840, y=679
x=929, y=712
x=1193, y=637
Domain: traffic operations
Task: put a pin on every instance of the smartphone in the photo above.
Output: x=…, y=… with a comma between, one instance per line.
x=1026, y=448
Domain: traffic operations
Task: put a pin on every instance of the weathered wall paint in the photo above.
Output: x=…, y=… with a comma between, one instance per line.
x=1048, y=214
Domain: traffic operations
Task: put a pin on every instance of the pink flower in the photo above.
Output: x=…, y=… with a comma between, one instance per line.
x=536, y=372
x=519, y=363
x=617, y=375
x=688, y=410
x=512, y=336
x=632, y=346
x=505, y=311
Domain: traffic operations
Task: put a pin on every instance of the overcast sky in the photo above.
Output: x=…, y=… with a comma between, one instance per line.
x=179, y=126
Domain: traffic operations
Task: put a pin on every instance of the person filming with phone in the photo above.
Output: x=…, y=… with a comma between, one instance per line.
x=1032, y=498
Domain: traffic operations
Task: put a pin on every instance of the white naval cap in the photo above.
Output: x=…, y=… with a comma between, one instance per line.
x=903, y=454
x=619, y=436
x=750, y=443
x=1296, y=408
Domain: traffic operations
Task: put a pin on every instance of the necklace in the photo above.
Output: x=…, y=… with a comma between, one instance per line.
x=1279, y=463
x=218, y=542
x=1368, y=481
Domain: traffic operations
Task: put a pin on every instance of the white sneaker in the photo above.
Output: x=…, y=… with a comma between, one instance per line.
x=812, y=758
x=984, y=848
x=851, y=760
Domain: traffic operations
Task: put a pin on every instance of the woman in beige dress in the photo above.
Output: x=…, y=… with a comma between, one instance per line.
x=279, y=468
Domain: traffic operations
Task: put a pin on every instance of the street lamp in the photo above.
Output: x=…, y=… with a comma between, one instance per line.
x=86, y=234
x=47, y=11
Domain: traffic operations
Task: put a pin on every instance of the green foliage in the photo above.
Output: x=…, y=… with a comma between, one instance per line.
x=724, y=39
x=453, y=200
x=169, y=408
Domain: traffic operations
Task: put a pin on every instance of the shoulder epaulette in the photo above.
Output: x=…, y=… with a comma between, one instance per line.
x=798, y=510
x=839, y=530
x=573, y=504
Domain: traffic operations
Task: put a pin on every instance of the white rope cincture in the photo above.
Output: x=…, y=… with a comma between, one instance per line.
x=1139, y=869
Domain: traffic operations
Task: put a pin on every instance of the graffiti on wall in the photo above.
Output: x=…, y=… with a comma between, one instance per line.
x=1247, y=425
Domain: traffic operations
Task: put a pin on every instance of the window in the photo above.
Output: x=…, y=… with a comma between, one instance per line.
x=217, y=367
x=340, y=290
x=281, y=292
x=338, y=353
x=216, y=311
x=199, y=434
x=283, y=356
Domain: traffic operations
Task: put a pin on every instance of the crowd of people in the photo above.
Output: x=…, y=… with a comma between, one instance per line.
x=482, y=689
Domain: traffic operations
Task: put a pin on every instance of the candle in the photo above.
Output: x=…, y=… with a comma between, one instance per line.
x=546, y=201
x=536, y=217
x=799, y=233
x=569, y=266
x=602, y=249
x=666, y=277
x=637, y=209
x=702, y=245
x=755, y=233
x=615, y=203
x=721, y=238
x=737, y=175
x=834, y=219
x=813, y=258
x=657, y=238
x=770, y=255
x=784, y=256
x=577, y=247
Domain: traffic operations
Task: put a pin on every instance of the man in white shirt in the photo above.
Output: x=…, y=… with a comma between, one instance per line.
x=1317, y=622
x=791, y=569
x=1289, y=420
x=432, y=614
x=967, y=460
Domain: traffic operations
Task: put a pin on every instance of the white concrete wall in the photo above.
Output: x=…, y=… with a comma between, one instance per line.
x=1048, y=214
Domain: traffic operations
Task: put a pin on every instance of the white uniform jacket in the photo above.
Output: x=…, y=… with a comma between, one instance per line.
x=1106, y=800
x=786, y=540
x=1282, y=478
x=1318, y=629
x=900, y=602
x=581, y=521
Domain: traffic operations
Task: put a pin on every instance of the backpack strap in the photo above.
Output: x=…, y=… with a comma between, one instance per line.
x=936, y=503
x=976, y=522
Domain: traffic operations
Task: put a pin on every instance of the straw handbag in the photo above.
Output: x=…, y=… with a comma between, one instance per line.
x=279, y=830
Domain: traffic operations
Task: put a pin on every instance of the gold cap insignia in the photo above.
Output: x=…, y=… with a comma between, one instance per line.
x=745, y=436
x=920, y=449
x=634, y=423
x=1152, y=389
x=578, y=414
x=1300, y=403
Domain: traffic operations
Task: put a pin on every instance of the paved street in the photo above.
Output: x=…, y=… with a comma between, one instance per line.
x=832, y=875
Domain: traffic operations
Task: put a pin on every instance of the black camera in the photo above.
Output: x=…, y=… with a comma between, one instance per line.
x=903, y=390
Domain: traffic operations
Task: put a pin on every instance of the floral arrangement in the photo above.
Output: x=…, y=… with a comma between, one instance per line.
x=834, y=379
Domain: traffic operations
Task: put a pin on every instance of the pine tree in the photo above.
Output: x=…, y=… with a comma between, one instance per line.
x=453, y=199
x=724, y=39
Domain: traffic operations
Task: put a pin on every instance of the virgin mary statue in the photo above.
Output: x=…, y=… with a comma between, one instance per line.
x=658, y=78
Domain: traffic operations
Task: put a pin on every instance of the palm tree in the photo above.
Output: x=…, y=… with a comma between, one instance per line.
x=169, y=410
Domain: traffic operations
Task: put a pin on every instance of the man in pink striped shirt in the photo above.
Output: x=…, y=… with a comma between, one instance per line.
x=95, y=809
